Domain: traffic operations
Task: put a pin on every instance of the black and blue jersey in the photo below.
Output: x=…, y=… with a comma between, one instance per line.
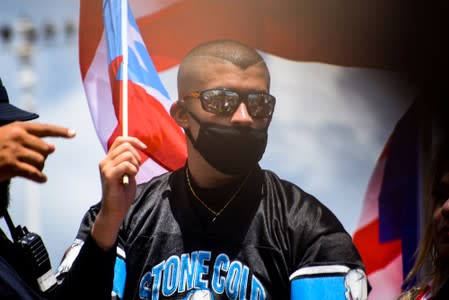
x=174, y=249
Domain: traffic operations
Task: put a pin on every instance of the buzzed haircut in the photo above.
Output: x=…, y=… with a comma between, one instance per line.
x=229, y=50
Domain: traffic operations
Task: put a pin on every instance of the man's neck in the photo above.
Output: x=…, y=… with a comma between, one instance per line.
x=204, y=175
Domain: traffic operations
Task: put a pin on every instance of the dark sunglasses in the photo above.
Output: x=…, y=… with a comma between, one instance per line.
x=224, y=102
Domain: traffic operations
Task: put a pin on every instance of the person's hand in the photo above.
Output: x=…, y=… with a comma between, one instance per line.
x=23, y=151
x=122, y=159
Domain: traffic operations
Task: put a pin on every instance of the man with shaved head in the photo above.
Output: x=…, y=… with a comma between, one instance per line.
x=220, y=227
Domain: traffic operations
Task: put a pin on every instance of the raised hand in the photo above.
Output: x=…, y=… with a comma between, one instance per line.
x=122, y=159
x=23, y=151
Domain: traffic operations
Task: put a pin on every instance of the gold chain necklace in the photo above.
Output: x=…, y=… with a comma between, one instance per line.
x=213, y=212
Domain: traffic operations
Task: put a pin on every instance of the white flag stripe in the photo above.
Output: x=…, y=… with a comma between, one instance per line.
x=370, y=209
x=387, y=282
x=142, y=8
x=148, y=170
x=97, y=86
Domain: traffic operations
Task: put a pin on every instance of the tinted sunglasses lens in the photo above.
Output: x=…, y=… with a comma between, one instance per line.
x=260, y=105
x=220, y=102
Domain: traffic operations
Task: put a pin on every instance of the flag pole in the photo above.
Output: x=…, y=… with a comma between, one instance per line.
x=124, y=40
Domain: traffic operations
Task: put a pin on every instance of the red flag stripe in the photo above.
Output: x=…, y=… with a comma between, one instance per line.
x=376, y=255
x=149, y=121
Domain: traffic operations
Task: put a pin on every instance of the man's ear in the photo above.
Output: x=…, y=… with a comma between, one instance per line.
x=178, y=112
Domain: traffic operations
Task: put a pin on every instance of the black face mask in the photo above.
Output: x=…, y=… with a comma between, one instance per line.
x=231, y=150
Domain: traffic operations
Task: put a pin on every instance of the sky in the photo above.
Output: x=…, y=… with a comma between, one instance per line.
x=325, y=139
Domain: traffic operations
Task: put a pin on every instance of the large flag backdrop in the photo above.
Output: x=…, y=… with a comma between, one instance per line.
x=388, y=231
x=372, y=34
x=369, y=35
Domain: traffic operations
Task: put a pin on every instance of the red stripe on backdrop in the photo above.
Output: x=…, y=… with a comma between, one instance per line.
x=345, y=33
x=376, y=255
x=188, y=23
x=90, y=31
x=341, y=33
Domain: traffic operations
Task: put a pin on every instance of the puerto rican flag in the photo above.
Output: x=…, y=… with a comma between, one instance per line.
x=388, y=231
x=148, y=99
